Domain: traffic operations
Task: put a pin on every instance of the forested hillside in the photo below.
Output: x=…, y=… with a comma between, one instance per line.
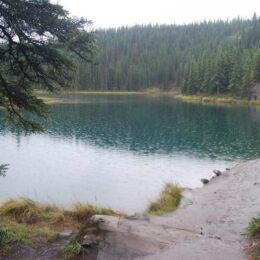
x=219, y=57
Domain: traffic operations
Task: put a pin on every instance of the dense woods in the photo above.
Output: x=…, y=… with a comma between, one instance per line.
x=220, y=57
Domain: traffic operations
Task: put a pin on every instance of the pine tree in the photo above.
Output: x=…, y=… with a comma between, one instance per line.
x=248, y=82
x=257, y=68
x=39, y=43
x=235, y=78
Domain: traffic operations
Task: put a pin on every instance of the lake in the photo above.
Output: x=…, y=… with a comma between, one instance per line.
x=118, y=151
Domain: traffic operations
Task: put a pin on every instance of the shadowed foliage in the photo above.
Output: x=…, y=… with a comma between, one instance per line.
x=38, y=43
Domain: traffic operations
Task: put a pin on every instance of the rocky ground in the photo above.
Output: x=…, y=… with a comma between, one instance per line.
x=210, y=223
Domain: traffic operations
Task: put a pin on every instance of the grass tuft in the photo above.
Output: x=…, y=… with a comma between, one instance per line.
x=253, y=232
x=24, y=221
x=253, y=229
x=81, y=212
x=50, y=208
x=169, y=200
x=14, y=233
x=72, y=249
x=23, y=210
x=3, y=236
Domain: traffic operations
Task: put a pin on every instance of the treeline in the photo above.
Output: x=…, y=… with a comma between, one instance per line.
x=220, y=57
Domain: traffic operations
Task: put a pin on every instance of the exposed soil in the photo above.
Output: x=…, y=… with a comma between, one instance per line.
x=45, y=251
x=37, y=250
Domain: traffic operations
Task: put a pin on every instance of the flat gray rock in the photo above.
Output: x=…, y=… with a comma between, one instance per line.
x=66, y=233
x=210, y=223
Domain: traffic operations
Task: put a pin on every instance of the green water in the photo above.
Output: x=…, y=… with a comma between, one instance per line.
x=119, y=150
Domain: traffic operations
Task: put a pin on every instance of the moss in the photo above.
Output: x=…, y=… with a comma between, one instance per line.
x=72, y=249
x=169, y=200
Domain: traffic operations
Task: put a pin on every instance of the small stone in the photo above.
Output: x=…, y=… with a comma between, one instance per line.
x=204, y=181
x=217, y=172
x=137, y=216
x=91, y=237
x=66, y=233
x=87, y=237
x=227, y=169
x=87, y=243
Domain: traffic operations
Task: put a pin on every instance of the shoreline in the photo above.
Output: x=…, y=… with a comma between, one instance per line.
x=214, y=100
x=210, y=223
x=210, y=100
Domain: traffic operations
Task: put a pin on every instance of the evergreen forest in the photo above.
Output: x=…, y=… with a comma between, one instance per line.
x=211, y=57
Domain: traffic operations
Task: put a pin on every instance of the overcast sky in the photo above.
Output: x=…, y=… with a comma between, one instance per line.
x=114, y=13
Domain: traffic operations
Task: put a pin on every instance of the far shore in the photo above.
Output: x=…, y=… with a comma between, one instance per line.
x=216, y=100
x=225, y=100
x=91, y=92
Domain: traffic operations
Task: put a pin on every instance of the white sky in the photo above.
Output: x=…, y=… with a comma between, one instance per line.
x=114, y=13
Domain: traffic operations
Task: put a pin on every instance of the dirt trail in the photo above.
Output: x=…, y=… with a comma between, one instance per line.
x=210, y=223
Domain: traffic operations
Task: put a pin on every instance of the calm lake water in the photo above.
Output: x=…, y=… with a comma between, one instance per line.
x=119, y=151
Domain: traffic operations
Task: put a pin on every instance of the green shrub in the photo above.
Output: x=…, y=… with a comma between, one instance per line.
x=15, y=233
x=253, y=229
x=72, y=249
x=169, y=200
